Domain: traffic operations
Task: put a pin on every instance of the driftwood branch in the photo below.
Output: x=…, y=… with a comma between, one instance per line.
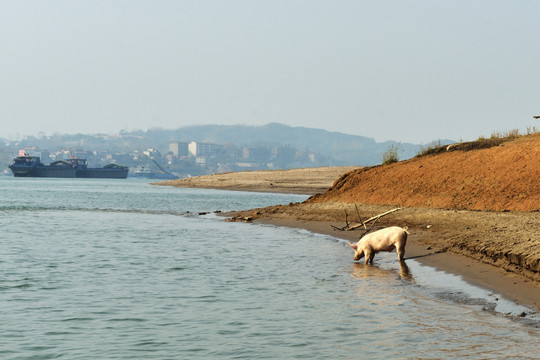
x=349, y=227
x=373, y=218
x=358, y=216
x=346, y=219
x=346, y=223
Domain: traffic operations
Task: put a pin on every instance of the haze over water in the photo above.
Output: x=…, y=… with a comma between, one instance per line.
x=118, y=269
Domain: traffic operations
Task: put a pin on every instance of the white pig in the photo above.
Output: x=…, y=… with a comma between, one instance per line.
x=386, y=239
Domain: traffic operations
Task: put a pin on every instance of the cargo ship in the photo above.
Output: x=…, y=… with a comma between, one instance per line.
x=31, y=166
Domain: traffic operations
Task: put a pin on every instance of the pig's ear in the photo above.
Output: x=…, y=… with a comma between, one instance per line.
x=354, y=246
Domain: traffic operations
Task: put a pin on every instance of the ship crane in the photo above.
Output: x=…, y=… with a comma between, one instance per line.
x=159, y=166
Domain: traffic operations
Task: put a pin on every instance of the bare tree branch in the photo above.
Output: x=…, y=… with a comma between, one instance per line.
x=349, y=227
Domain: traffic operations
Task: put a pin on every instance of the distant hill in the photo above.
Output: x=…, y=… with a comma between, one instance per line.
x=340, y=149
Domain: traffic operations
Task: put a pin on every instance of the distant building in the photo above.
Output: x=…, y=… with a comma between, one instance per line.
x=200, y=160
x=151, y=153
x=179, y=149
x=245, y=153
x=204, y=149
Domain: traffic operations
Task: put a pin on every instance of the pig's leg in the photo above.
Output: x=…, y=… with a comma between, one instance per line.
x=369, y=257
x=401, y=247
x=401, y=252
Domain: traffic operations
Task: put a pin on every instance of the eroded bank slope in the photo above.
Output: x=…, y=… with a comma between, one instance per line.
x=500, y=178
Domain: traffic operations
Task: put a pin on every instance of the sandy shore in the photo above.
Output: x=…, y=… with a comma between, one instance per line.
x=306, y=181
x=478, y=245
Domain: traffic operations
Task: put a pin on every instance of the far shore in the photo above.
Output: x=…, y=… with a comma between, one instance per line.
x=306, y=181
x=436, y=235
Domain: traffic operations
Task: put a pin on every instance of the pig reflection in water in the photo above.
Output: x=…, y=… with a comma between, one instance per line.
x=362, y=271
x=386, y=239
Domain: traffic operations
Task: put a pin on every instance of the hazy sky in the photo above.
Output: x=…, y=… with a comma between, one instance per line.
x=411, y=71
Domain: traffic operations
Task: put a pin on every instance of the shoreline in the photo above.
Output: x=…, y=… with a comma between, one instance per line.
x=510, y=286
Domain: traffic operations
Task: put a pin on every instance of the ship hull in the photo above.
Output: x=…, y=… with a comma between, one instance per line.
x=102, y=173
x=31, y=166
x=42, y=171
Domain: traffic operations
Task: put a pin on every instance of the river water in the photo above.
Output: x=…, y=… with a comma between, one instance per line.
x=121, y=269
